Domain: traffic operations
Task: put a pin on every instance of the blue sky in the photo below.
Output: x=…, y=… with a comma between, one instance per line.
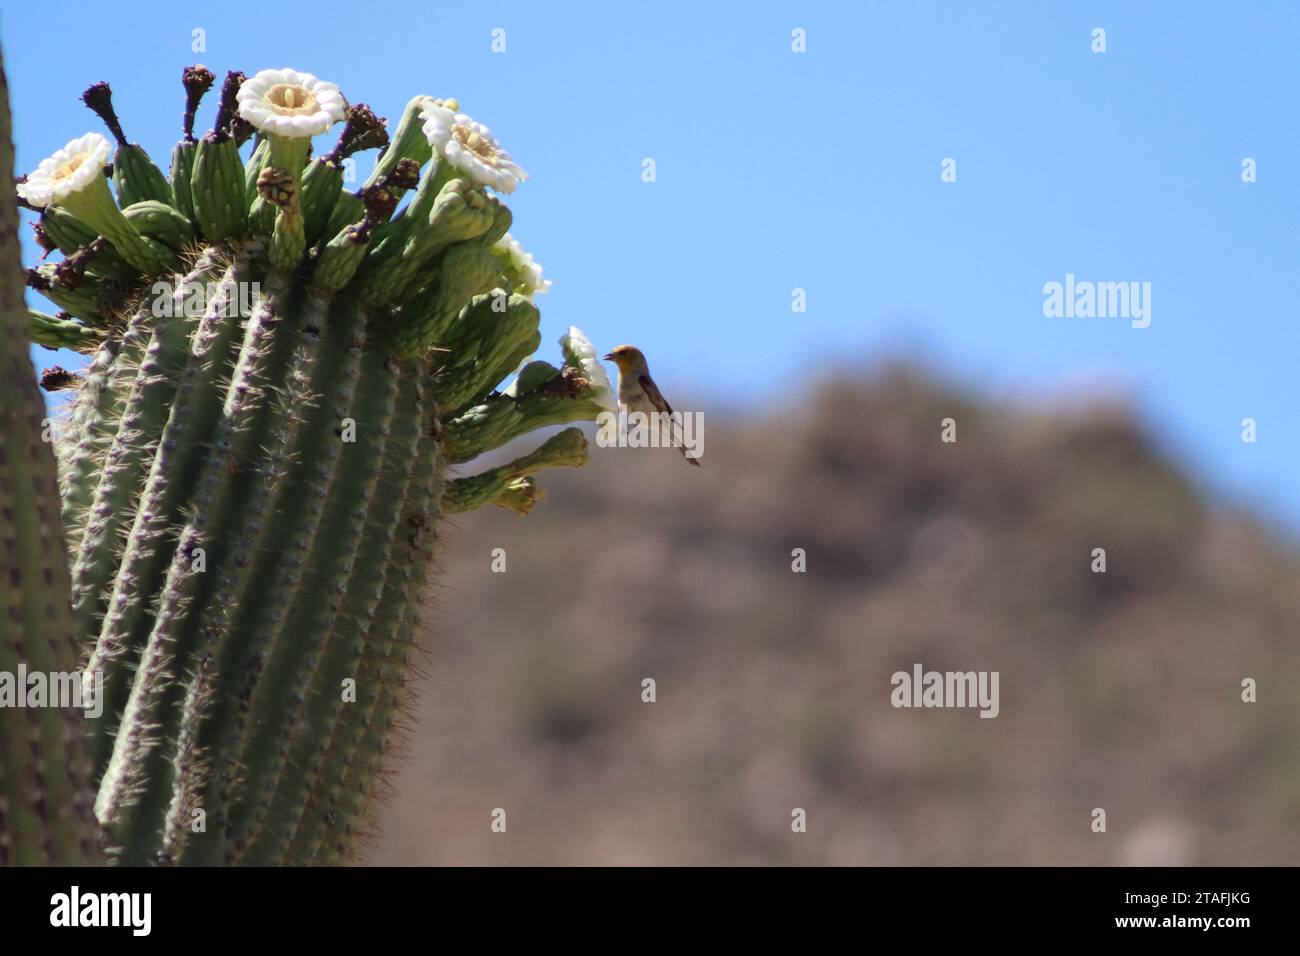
x=821, y=170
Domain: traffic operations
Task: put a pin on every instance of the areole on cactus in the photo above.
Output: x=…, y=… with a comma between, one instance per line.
x=283, y=372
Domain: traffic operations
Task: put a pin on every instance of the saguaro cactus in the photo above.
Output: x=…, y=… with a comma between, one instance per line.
x=44, y=773
x=284, y=374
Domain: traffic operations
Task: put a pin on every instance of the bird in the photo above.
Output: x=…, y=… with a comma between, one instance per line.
x=638, y=391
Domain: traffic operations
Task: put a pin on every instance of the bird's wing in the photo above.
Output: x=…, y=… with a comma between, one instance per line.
x=652, y=392
x=657, y=399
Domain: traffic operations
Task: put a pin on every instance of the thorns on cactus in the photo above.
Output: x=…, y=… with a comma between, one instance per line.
x=256, y=458
x=44, y=774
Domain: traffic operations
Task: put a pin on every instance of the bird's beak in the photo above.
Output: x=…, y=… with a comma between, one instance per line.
x=608, y=356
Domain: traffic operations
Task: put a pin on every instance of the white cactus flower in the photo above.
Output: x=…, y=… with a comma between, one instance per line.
x=70, y=170
x=290, y=104
x=470, y=147
x=580, y=353
x=524, y=271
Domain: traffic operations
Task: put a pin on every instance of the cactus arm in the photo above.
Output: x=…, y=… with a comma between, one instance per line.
x=500, y=486
x=501, y=419
x=55, y=333
x=44, y=776
x=81, y=299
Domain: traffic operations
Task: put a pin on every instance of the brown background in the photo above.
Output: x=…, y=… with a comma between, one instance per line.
x=1118, y=690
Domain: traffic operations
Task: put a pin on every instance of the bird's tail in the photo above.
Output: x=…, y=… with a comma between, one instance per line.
x=670, y=433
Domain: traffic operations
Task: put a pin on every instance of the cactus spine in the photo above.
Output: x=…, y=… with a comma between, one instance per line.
x=282, y=373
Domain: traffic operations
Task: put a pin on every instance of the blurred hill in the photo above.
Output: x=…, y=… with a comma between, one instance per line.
x=1118, y=690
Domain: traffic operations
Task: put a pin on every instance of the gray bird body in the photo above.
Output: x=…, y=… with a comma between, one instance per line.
x=639, y=393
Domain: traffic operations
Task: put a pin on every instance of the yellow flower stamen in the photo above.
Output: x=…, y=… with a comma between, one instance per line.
x=475, y=143
x=288, y=99
x=66, y=169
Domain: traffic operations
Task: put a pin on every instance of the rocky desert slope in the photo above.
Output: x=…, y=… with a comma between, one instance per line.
x=1119, y=690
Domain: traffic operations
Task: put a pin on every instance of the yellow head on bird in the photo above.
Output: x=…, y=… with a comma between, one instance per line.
x=627, y=358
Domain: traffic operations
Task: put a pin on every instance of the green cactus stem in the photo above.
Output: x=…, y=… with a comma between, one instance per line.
x=44, y=774
x=53, y=332
x=255, y=461
x=510, y=486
